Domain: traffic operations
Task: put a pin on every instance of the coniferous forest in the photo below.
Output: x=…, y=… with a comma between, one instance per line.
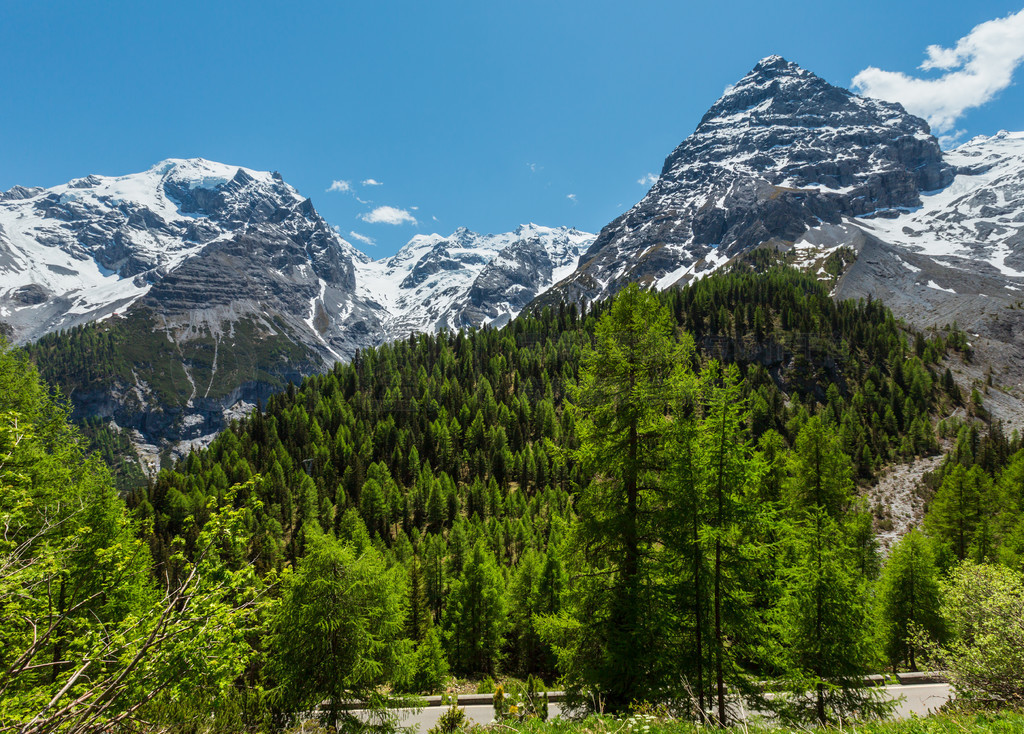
x=652, y=501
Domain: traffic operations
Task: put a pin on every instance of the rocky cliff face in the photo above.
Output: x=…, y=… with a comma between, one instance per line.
x=780, y=152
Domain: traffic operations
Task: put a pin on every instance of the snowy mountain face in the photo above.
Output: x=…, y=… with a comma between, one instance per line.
x=84, y=250
x=468, y=279
x=202, y=241
x=978, y=220
x=957, y=256
x=243, y=280
x=781, y=151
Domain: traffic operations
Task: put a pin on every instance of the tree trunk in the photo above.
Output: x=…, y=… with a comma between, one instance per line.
x=698, y=607
x=719, y=521
x=720, y=678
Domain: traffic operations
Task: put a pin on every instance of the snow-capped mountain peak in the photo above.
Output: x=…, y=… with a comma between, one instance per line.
x=782, y=150
x=468, y=279
x=82, y=250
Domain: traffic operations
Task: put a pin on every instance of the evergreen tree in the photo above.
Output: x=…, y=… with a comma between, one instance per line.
x=418, y=616
x=956, y=512
x=824, y=626
x=334, y=636
x=727, y=466
x=626, y=388
x=908, y=598
x=475, y=617
x=822, y=617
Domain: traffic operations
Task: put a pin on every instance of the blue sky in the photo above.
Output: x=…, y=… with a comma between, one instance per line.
x=478, y=114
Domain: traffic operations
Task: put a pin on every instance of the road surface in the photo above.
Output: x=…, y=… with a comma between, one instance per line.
x=920, y=699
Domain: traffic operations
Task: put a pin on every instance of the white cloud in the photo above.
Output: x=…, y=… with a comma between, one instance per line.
x=363, y=238
x=979, y=67
x=534, y=167
x=342, y=186
x=571, y=197
x=388, y=215
x=372, y=182
x=647, y=179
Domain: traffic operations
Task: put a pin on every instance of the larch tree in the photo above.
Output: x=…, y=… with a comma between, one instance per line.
x=908, y=599
x=623, y=400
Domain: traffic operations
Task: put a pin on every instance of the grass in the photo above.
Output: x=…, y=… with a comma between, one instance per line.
x=983, y=723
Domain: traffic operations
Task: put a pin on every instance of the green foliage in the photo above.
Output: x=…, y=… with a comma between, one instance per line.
x=647, y=723
x=452, y=720
x=822, y=617
x=820, y=473
x=908, y=599
x=475, y=617
x=87, y=640
x=956, y=513
x=983, y=605
x=498, y=701
x=825, y=628
x=334, y=636
x=429, y=667
x=626, y=388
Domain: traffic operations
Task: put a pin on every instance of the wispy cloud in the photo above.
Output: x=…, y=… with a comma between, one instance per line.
x=647, y=179
x=342, y=186
x=534, y=167
x=363, y=238
x=571, y=197
x=372, y=182
x=388, y=215
x=977, y=68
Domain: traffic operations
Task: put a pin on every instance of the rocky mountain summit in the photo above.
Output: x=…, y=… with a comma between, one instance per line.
x=786, y=160
x=781, y=151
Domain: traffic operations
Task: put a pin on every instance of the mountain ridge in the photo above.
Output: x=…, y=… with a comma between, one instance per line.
x=237, y=283
x=783, y=159
x=779, y=151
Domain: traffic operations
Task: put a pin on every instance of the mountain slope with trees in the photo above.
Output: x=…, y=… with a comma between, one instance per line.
x=472, y=461
x=655, y=501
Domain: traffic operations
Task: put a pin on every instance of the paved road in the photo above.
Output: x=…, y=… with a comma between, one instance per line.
x=918, y=699
x=425, y=718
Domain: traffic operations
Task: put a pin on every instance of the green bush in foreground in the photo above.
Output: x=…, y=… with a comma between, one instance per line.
x=984, y=607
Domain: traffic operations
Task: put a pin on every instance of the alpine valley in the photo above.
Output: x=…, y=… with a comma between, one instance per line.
x=747, y=451
x=205, y=287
